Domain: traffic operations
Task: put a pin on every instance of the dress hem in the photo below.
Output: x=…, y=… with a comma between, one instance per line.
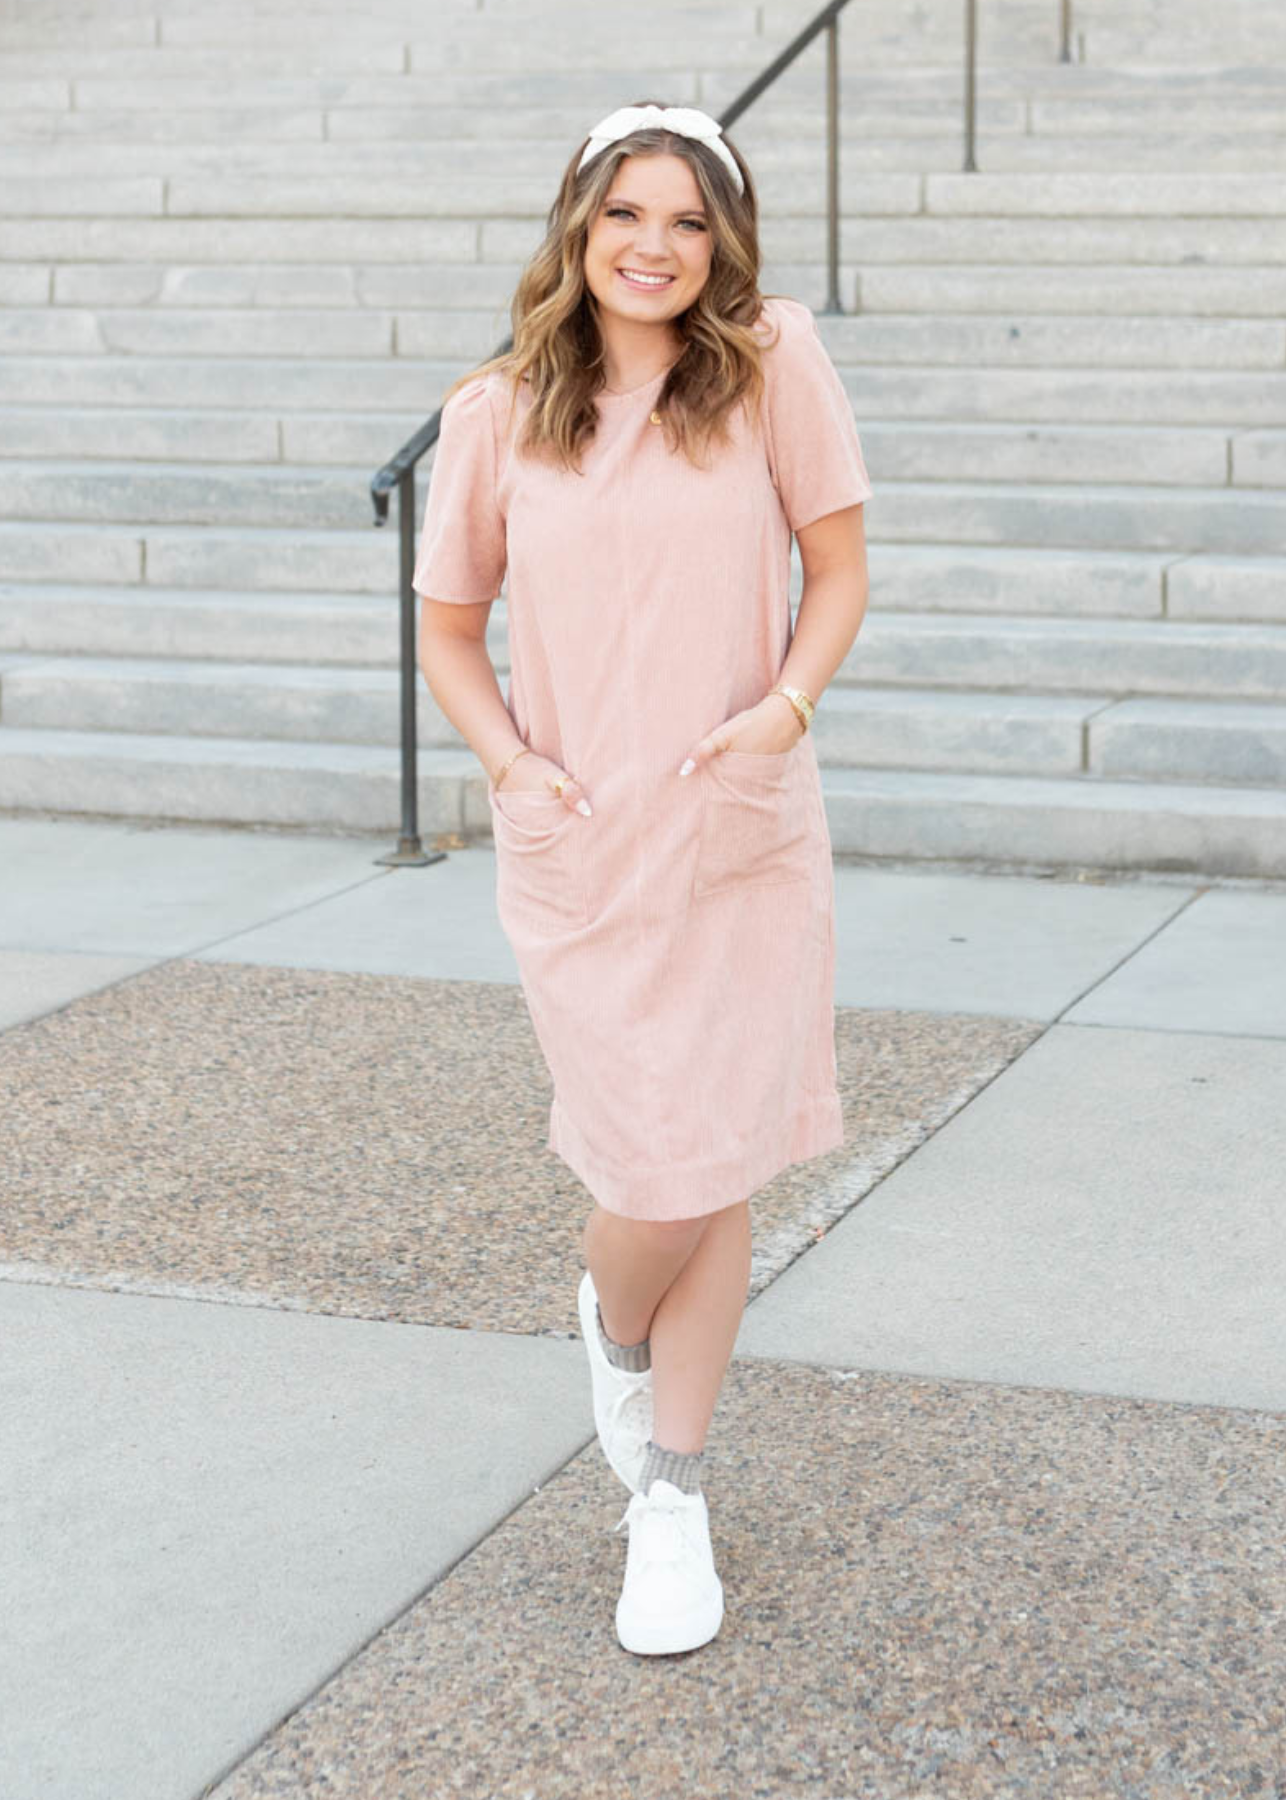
x=689, y=1190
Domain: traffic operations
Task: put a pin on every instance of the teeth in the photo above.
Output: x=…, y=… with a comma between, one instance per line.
x=651, y=280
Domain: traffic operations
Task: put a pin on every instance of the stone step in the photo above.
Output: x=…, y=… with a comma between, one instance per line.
x=1129, y=289
x=151, y=494
x=1120, y=46
x=1104, y=290
x=1224, y=398
x=948, y=579
x=914, y=115
x=410, y=111
x=1175, y=740
x=348, y=787
x=864, y=723
x=273, y=79
x=938, y=393
x=979, y=341
x=1251, y=148
x=1092, y=194
x=1016, y=821
x=469, y=335
x=913, y=450
x=181, y=435
x=1153, y=116
x=323, y=626
x=214, y=699
x=1107, y=517
x=328, y=501
x=1118, y=658
x=285, y=559
x=1226, y=587
x=489, y=287
x=206, y=331
x=894, y=449
x=469, y=195
x=911, y=577
x=786, y=238
x=1259, y=459
x=721, y=42
x=1030, y=821
x=122, y=621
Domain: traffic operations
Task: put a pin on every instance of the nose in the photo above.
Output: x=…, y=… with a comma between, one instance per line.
x=650, y=242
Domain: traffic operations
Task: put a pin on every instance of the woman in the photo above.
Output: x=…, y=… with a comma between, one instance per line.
x=637, y=463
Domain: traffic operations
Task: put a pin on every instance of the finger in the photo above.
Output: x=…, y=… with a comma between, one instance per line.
x=702, y=752
x=573, y=795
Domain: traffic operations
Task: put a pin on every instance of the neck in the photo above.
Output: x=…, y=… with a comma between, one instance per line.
x=633, y=350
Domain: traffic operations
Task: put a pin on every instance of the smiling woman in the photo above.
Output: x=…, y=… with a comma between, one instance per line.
x=635, y=466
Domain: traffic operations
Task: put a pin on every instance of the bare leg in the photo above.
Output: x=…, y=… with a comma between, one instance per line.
x=632, y=1263
x=694, y=1328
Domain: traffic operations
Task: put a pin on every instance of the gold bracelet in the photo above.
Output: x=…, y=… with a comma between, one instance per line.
x=800, y=702
x=508, y=764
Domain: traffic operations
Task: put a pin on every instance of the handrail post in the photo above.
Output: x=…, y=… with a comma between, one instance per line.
x=1065, y=11
x=971, y=86
x=833, y=304
x=410, y=852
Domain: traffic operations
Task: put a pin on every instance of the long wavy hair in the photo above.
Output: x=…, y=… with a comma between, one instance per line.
x=557, y=344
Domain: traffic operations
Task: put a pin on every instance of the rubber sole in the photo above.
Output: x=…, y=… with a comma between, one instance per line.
x=672, y=1637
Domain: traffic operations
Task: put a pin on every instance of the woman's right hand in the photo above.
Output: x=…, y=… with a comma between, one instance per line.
x=536, y=774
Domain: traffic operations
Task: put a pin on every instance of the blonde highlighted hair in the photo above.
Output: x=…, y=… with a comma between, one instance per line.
x=557, y=346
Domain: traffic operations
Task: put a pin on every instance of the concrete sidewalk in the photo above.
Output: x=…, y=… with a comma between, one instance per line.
x=296, y=1448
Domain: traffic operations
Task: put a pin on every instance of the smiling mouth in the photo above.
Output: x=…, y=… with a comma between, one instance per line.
x=641, y=280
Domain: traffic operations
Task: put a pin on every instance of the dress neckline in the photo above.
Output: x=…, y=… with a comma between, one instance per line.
x=629, y=393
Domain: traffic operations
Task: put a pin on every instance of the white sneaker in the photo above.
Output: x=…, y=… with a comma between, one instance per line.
x=622, y=1397
x=672, y=1598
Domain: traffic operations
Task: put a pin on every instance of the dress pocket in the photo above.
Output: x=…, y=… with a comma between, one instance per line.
x=540, y=863
x=756, y=821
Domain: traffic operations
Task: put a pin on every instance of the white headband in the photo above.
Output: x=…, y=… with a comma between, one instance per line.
x=687, y=120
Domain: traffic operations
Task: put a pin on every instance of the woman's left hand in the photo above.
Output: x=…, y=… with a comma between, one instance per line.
x=765, y=730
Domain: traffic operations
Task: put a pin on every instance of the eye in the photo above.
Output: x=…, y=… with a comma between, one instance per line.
x=625, y=212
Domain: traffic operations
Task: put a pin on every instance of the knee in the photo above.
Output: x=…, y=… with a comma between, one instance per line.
x=673, y=1231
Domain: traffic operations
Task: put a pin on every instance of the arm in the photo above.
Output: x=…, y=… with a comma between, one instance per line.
x=832, y=605
x=831, y=609
x=457, y=666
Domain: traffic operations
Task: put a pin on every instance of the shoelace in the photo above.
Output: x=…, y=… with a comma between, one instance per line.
x=665, y=1539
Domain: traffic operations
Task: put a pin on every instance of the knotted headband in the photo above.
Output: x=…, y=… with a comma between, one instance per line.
x=689, y=121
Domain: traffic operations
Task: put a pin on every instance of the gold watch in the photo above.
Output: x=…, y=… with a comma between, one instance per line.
x=803, y=706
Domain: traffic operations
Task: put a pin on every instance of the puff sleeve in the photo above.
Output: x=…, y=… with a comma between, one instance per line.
x=814, y=451
x=462, y=553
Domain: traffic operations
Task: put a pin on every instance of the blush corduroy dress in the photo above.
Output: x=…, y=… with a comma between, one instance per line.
x=677, y=949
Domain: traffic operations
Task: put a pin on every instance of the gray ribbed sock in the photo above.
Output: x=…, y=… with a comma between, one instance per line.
x=635, y=1357
x=682, y=1467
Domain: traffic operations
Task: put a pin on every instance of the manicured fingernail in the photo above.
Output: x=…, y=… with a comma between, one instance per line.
x=687, y=767
x=583, y=806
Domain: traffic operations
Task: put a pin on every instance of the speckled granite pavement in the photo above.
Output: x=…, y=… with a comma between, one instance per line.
x=932, y=1588
x=936, y=1587
x=372, y=1145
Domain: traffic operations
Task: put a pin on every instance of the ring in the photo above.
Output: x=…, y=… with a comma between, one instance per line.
x=559, y=785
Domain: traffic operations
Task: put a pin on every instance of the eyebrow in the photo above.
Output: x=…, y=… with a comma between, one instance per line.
x=684, y=212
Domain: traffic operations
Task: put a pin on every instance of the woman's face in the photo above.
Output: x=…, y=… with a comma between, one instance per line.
x=652, y=222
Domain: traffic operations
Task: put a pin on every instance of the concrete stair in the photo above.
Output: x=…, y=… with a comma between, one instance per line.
x=241, y=257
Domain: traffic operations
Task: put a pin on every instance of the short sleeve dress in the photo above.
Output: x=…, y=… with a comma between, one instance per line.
x=676, y=950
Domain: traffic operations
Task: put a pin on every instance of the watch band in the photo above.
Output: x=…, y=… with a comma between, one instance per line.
x=799, y=700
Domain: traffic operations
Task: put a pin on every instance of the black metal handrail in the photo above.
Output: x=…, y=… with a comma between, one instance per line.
x=970, y=164
x=399, y=471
